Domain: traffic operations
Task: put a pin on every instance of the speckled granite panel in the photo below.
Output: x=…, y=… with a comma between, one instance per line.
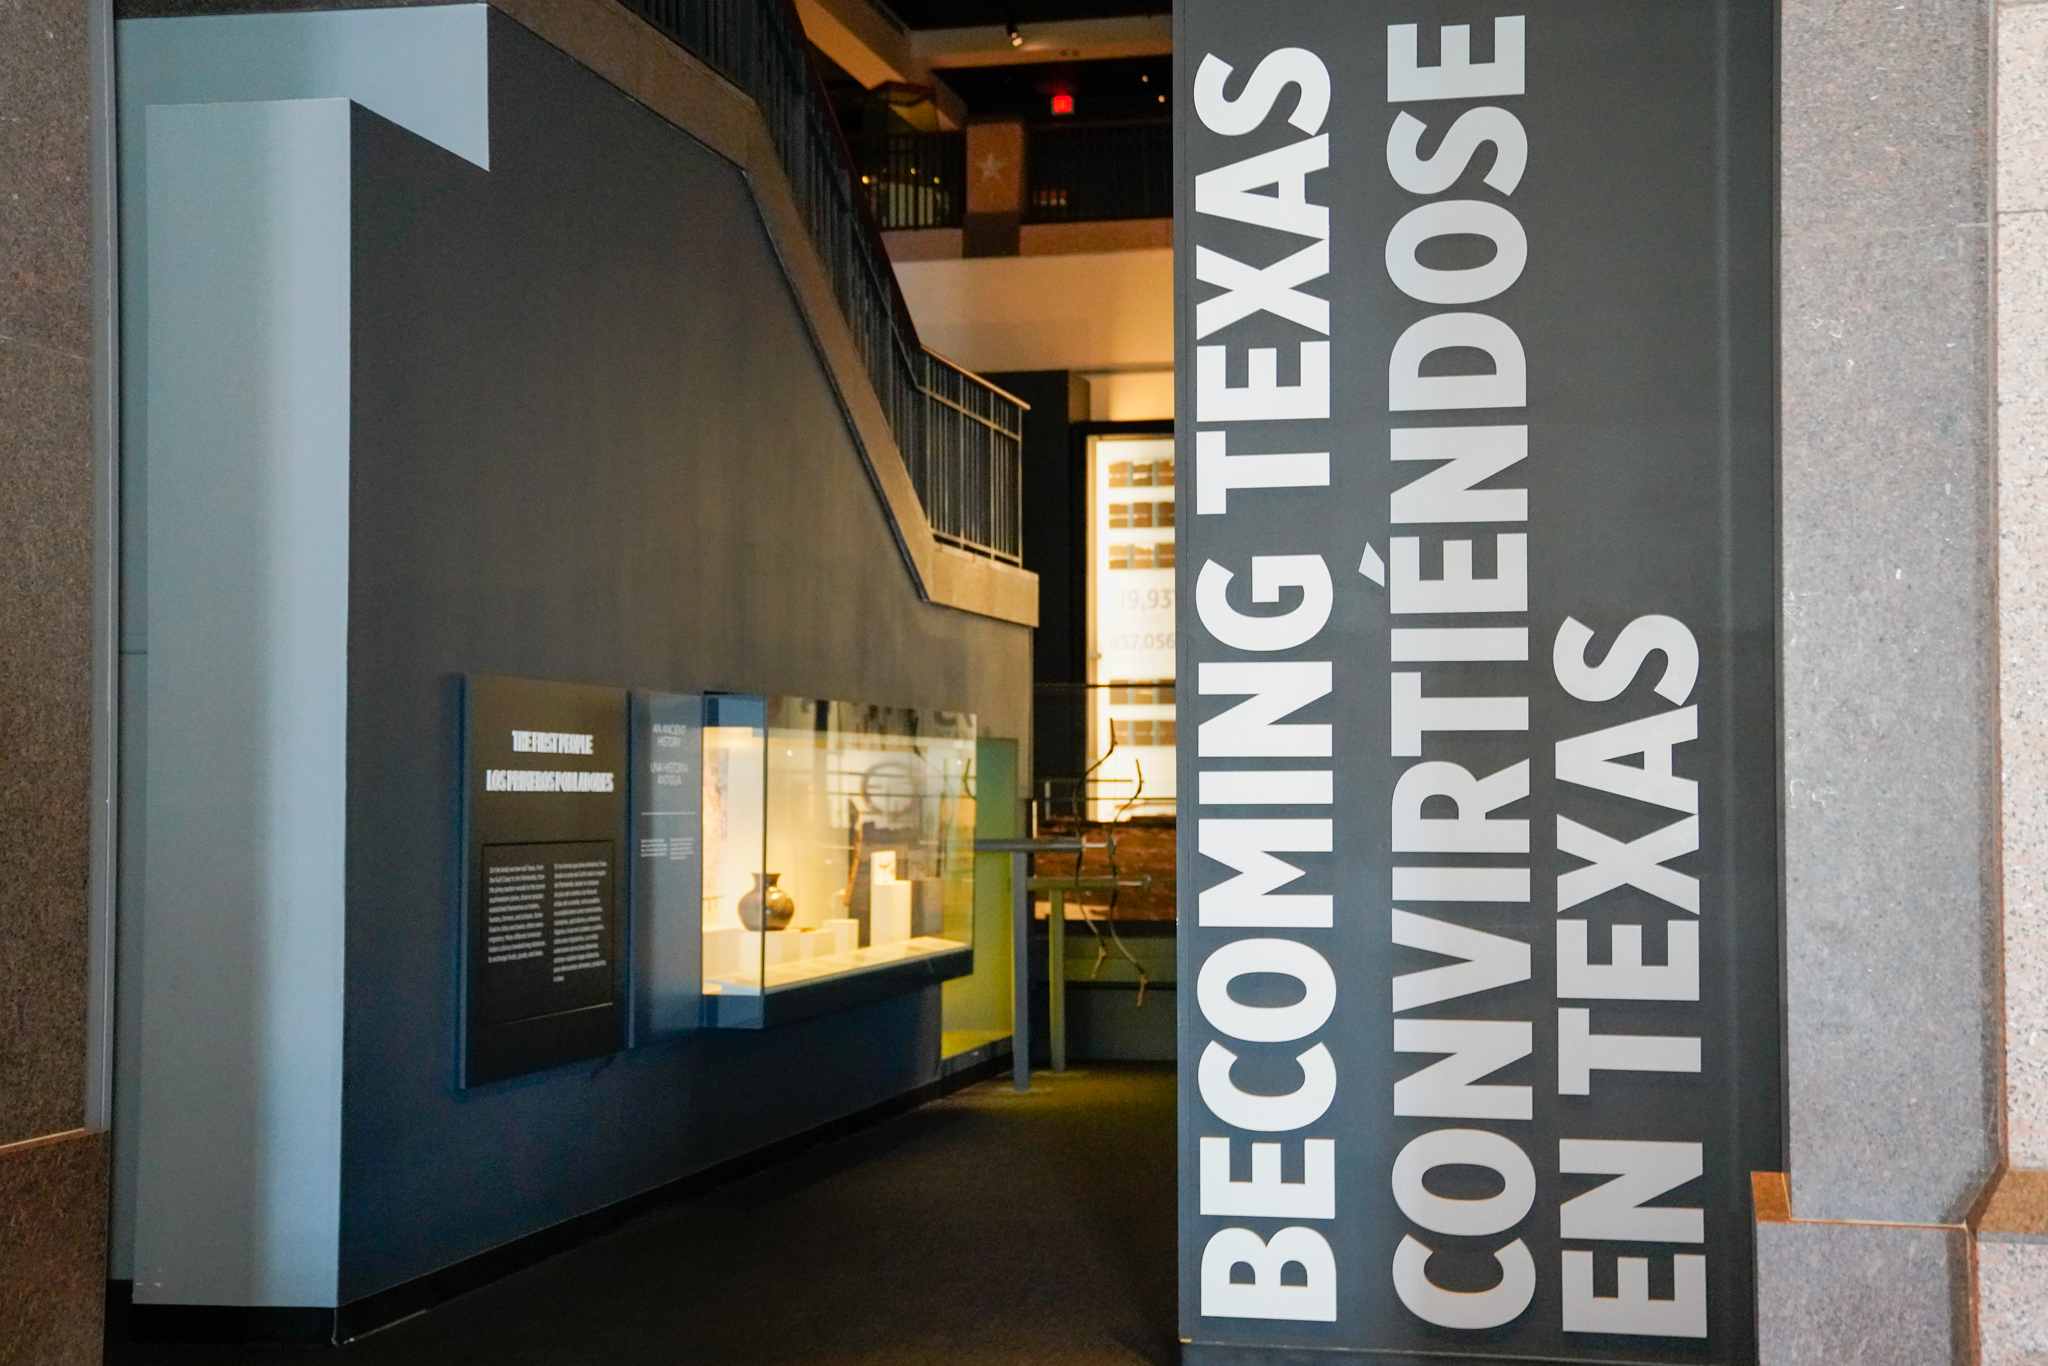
x=1874, y=1295
x=1888, y=624
x=1889, y=758
x=1884, y=115
x=2023, y=108
x=53, y=1199
x=45, y=191
x=2012, y=1302
x=45, y=683
x=2023, y=668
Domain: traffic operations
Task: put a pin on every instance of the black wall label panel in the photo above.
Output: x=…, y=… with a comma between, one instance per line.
x=550, y=915
x=544, y=966
x=1478, y=858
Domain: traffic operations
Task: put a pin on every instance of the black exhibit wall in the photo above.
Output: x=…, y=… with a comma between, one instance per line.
x=592, y=443
x=1479, y=918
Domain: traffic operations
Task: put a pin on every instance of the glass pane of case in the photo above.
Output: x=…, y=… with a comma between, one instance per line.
x=870, y=836
x=735, y=804
x=838, y=841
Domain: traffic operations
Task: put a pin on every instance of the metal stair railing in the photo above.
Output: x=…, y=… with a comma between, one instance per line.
x=914, y=180
x=961, y=437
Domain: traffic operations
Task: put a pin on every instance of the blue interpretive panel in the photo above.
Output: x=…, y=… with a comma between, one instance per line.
x=668, y=864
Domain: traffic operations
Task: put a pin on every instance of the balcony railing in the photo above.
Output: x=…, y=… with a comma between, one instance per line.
x=915, y=180
x=1096, y=171
x=969, y=469
x=759, y=46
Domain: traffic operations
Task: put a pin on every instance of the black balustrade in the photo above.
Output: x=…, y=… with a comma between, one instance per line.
x=1089, y=172
x=914, y=180
x=960, y=436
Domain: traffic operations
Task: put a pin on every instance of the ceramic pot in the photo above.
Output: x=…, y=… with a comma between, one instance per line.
x=781, y=909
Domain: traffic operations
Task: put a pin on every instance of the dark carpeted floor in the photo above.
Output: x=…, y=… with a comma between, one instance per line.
x=984, y=1228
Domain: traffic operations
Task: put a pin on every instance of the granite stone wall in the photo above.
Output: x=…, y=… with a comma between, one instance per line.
x=1889, y=639
x=2011, y=1234
x=1915, y=561
x=1890, y=721
x=2022, y=416
x=52, y=1173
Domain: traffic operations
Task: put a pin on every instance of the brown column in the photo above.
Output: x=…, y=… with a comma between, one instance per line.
x=995, y=189
x=52, y=1173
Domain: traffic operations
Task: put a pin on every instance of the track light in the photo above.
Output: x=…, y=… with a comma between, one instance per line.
x=1016, y=38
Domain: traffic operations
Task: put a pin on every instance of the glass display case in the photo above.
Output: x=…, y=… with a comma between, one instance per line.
x=838, y=854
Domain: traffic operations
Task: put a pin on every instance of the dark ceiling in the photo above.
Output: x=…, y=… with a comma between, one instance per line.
x=973, y=13
x=1111, y=88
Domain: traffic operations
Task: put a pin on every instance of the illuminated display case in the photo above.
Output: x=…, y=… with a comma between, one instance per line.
x=838, y=854
x=1132, y=717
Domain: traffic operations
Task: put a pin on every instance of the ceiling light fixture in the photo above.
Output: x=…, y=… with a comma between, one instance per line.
x=1016, y=38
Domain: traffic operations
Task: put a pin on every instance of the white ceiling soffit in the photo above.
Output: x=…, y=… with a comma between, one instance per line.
x=1067, y=40
x=426, y=68
x=1088, y=311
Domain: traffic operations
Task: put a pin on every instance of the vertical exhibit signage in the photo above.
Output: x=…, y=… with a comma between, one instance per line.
x=1478, y=865
x=545, y=777
x=668, y=864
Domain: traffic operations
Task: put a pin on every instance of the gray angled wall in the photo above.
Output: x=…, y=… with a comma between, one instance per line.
x=591, y=441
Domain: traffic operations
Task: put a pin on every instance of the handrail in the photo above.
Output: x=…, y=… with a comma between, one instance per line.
x=961, y=437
